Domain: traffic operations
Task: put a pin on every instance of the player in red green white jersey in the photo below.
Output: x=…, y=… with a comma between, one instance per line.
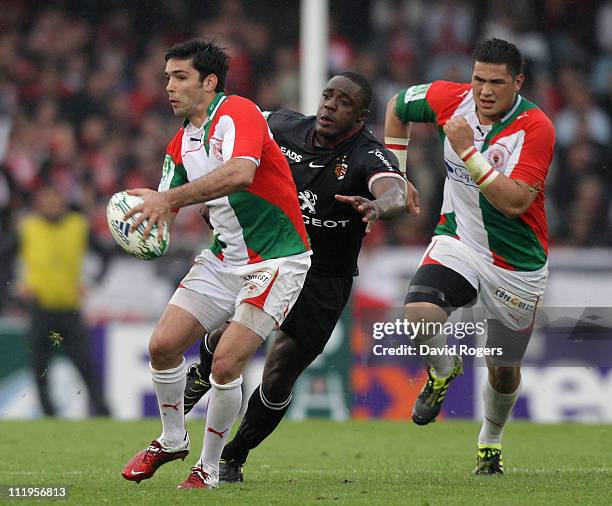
x=491, y=243
x=260, y=223
x=223, y=155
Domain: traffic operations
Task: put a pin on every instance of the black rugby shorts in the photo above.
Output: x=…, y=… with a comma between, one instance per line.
x=313, y=317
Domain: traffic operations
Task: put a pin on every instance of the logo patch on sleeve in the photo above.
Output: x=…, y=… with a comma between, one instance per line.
x=416, y=93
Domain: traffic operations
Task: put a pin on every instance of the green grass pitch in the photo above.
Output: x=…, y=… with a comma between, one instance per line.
x=320, y=462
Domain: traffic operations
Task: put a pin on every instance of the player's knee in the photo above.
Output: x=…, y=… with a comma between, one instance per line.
x=279, y=373
x=284, y=364
x=224, y=369
x=162, y=351
x=505, y=380
x=277, y=385
x=425, y=316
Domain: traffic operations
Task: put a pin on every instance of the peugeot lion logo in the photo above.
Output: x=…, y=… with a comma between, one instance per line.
x=308, y=201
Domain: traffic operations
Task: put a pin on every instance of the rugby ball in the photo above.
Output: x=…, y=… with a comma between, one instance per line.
x=129, y=238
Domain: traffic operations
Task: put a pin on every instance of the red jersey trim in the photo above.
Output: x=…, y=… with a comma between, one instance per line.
x=175, y=147
x=444, y=97
x=260, y=300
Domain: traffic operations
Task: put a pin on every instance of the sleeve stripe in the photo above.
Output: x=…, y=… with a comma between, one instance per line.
x=400, y=147
x=254, y=160
x=380, y=175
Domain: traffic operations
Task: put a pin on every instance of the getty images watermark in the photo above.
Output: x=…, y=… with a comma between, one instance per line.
x=554, y=337
x=387, y=334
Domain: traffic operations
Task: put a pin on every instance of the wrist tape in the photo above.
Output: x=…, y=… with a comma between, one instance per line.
x=480, y=170
x=399, y=147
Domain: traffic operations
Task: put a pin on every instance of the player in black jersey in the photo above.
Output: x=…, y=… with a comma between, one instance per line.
x=335, y=160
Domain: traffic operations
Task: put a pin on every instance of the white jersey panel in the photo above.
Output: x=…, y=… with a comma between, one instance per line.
x=506, y=153
x=196, y=161
x=225, y=223
x=226, y=130
x=463, y=194
x=199, y=163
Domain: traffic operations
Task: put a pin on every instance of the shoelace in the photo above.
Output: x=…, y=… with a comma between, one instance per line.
x=153, y=449
x=429, y=390
x=198, y=475
x=490, y=452
x=492, y=455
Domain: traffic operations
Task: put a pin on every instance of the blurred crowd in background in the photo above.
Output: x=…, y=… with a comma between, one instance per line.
x=83, y=102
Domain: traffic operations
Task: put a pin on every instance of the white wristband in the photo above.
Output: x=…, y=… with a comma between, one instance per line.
x=399, y=147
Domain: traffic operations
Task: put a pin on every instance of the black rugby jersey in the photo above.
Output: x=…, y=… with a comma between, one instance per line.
x=335, y=229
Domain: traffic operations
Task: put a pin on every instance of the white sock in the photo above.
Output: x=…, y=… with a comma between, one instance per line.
x=497, y=409
x=223, y=407
x=442, y=364
x=170, y=387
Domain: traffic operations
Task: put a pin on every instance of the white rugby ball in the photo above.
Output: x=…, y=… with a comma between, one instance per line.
x=130, y=239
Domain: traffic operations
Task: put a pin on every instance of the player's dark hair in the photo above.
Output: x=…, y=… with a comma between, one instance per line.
x=499, y=52
x=364, y=86
x=206, y=57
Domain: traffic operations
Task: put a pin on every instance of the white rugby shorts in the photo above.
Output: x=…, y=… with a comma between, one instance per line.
x=212, y=290
x=511, y=297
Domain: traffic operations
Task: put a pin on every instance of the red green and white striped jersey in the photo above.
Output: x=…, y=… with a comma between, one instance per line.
x=520, y=146
x=250, y=226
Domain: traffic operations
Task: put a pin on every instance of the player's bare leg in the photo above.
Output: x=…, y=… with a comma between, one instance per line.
x=441, y=370
x=499, y=393
x=173, y=334
x=267, y=404
x=236, y=346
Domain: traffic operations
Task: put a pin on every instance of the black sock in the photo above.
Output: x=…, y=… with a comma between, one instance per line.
x=258, y=423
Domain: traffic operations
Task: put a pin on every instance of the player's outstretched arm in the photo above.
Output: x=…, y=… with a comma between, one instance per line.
x=233, y=176
x=413, y=203
x=390, y=193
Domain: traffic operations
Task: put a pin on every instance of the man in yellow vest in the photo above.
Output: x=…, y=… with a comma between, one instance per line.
x=53, y=242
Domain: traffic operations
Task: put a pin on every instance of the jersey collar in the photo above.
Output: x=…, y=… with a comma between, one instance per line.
x=211, y=110
x=502, y=123
x=334, y=146
x=517, y=102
